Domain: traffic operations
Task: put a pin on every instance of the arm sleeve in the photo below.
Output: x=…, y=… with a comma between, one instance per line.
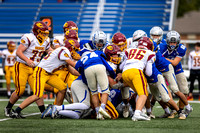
x=25, y=41
x=181, y=50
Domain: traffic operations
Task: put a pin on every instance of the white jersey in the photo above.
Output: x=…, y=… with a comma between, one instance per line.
x=34, y=49
x=55, y=60
x=9, y=57
x=194, y=60
x=137, y=58
x=58, y=40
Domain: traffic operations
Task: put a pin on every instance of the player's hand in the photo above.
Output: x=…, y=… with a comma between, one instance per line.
x=118, y=78
x=30, y=63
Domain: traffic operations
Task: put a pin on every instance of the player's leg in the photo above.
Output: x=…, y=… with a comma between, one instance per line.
x=21, y=76
x=8, y=78
x=192, y=79
x=137, y=81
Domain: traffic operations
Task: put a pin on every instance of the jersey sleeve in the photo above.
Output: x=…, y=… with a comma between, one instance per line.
x=3, y=53
x=152, y=57
x=56, y=42
x=64, y=55
x=181, y=50
x=25, y=41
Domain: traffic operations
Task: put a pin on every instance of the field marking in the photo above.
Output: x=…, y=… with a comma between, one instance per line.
x=5, y=119
x=50, y=100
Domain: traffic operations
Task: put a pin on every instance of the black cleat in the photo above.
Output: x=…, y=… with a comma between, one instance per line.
x=7, y=111
x=16, y=115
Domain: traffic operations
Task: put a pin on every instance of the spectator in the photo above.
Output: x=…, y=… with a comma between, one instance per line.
x=194, y=67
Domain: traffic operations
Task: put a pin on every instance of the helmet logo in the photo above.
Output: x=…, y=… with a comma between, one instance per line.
x=110, y=48
x=71, y=42
x=67, y=32
x=66, y=25
x=39, y=25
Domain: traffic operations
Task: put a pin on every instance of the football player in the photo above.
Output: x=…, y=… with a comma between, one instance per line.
x=31, y=48
x=137, y=60
x=9, y=57
x=43, y=74
x=173, y=51
x=119, y=39
x=156, y=34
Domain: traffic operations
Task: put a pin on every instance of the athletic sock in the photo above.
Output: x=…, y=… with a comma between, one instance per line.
x=18, y=110
x=179, y=111
x=137, y=112
x=148, y=110
x=97, y=110
x=41, y=108
x=10, y=105
x=9, y=93
x=103, y=106
x=187, y=106
x=167, y=110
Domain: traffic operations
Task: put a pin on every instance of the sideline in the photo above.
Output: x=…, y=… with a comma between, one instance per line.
x=5, y=119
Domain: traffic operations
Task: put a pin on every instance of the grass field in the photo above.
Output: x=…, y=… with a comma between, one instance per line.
x=121, y=125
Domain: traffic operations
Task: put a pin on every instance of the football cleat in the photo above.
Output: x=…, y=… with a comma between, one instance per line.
x=99, y=116
x=187, y=112
x=181, y=116
x=7, y=111
x=104, y=113
x=165, y=115
x=126, y=111
x=54, y=112
x=172, y=114
x=151, y=115
x=16, y=115
x=140, y=117
x=47, y=112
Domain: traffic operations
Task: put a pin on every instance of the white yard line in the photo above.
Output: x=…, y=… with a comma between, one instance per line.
x=5, y=119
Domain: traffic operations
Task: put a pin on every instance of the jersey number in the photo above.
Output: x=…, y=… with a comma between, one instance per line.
x=9, y=60
x=137, y=54
x=85, y=58
x=196, y=61
x=36, y=53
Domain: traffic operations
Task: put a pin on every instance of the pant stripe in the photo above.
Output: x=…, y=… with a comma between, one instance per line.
x=36, y=81
x=66, y=77
x=112, y=109
x=165, y=88
x=141, y=75
x=39, y=81
x=17, y=78
x=84, y=96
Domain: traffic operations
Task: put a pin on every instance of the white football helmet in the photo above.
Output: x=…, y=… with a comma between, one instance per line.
x=99, y=37
x=138, y=34
x=158, y=32
x=173, y=36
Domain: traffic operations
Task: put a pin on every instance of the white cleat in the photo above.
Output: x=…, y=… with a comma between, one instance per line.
x=99, y=117
x=141, y=117
x=104, y=113
x=54, y=112
x=126, y=111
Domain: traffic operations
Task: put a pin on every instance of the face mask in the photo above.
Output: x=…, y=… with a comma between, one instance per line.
x=172, y=47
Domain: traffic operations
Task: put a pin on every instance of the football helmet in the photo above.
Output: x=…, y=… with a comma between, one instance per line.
x=99, y=40
x=138, y=34
x=71, y=34
x=11, y=46
x=70, y=25
x=40, y=30
x=119, y=39
x=156, y=31
x=111, y=50
x=173, y=36
x=73, y=46
x=146, y=43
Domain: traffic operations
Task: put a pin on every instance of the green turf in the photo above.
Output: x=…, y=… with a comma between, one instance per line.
x=35, y=124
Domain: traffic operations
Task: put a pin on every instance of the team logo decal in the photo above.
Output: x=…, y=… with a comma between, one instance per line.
x=71, y=42
x=110, y=48
x=22, y=41
x=66, y=55
x=39, y=25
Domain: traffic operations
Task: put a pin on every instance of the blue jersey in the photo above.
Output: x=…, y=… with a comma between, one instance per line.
x=115, y=96
x=178, y=52
x=94, y=58
x=85, y=45
x=154, y=77
x=161, y=63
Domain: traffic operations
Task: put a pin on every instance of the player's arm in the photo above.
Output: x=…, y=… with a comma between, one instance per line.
x=190, y=62
x=73, y=71
x=20, y=54
x=70, y=62
x=175, y=61
x=49, y=50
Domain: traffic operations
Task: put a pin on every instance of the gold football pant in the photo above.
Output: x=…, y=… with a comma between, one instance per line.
x=23, y=73
x=41, y=77
x=9, y=73
x=136, y=80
